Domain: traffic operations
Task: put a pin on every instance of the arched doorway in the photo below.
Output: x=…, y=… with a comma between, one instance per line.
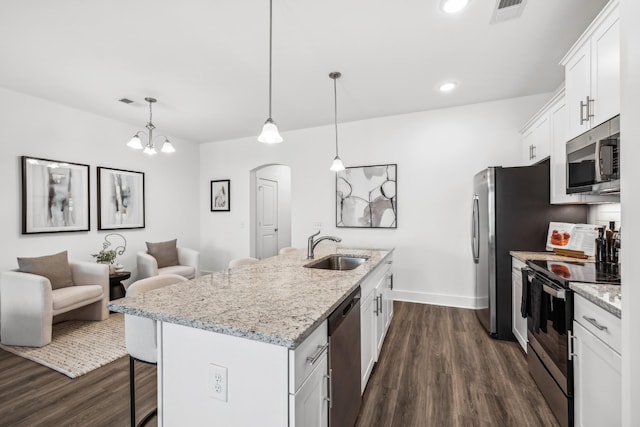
x=270, y=194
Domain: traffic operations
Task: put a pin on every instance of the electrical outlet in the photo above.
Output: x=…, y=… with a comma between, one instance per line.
x=317, y=225
x=218, y=382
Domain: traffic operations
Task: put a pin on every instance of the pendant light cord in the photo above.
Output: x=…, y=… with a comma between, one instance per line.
x=335, y=110
x=270, y=49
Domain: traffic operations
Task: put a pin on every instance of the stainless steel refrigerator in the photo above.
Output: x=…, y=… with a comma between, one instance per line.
x=511, y=212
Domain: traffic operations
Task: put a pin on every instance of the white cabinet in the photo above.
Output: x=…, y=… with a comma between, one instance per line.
x=592, y=73
x=376, y=312
x=387, y=300
x=558, y=121
x=309, y=380
x=596, y=365
x=367, y=337
x=379, y=313
x=310, y=403
x=535, y=139
x=519, y=323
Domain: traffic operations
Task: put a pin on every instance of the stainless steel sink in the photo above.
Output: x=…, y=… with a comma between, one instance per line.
x=338, y=262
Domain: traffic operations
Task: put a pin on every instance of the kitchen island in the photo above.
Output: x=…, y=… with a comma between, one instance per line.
x=232, y=345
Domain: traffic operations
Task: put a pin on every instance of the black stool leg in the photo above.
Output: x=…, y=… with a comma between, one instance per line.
x=132, y=390
x=132, y=395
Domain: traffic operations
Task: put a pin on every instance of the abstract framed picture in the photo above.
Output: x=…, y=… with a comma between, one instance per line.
x=366, y=197
x=55, y=196
x=120, y=199
x=221, y=195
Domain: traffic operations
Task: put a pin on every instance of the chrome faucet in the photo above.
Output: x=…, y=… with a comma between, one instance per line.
x=311, y=244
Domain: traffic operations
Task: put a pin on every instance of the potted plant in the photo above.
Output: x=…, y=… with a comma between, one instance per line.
x=106, y=257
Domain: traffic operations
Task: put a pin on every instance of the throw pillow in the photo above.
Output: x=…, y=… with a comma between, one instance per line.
x=54, y=267
x=165, y=253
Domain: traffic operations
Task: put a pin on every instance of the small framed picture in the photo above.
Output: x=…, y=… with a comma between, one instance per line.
x=55, y=196
x=221, y=195
x=120, y=199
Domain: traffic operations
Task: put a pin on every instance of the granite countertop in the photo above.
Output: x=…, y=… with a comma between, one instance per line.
x=545, y=256
x=275, y=300
x=608, y=297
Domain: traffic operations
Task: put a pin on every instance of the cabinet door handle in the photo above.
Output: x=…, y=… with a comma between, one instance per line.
x=380, y=302
x=570, y=343
x=586, y=106
x=321, y=349
x=329, y=398
x=375, y=310
x=595, y=323
x=533, y=151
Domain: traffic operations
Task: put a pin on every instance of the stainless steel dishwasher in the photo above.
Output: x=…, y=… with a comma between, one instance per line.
x=344, y=362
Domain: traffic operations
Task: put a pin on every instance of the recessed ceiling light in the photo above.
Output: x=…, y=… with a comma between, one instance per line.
x=454, y=6
x=447, y=87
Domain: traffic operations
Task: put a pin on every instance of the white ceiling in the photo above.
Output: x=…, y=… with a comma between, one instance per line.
x=206, y=60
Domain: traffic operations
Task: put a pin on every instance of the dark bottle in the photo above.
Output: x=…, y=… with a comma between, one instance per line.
x=601, y=246
x=610, y=235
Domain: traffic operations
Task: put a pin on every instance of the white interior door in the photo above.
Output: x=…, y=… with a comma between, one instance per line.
x=267, y=218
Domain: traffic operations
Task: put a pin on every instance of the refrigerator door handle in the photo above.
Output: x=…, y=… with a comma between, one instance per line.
x=475, y=225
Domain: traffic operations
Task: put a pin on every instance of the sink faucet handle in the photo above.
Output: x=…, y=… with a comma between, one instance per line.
x=314, y=235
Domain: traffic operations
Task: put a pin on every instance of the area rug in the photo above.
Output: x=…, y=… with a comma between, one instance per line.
x=78, y=346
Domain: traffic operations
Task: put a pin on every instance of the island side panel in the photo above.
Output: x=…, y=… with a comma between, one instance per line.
x=257, y=379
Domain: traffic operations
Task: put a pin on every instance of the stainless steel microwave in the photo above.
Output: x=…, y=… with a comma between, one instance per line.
x=593, y=160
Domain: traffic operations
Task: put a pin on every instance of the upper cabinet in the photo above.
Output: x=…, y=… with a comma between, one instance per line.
x=592, y=73
x=535, y=139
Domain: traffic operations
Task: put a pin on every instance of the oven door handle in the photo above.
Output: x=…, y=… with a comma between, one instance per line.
x=556, y=293
x=546, y=287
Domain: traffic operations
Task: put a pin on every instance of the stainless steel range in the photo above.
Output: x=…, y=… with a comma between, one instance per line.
x=548, y=304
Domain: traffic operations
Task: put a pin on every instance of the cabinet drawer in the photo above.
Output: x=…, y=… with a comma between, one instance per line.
x=306, y=356
x=611, y=332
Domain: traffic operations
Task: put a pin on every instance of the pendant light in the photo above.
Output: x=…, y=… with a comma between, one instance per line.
x=150, y=147
x=270, y=134
x=337, y=165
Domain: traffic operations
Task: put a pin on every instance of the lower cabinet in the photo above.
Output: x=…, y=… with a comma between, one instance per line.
x=367, y=338
x=376, y=313
x=310, y=403
x=309, y=380
x=597, y=366
x=519, y=323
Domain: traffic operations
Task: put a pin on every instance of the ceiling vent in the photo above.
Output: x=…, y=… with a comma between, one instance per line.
x=507, y=9
x=125, y=101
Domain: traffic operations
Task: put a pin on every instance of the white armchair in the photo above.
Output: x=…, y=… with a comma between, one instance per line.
x=188, y=265
x=29, y=306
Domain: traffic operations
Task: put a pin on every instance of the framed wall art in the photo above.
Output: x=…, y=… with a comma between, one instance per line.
x=120, y=199
x=366, y=197
x=221, y=195
x=55, y=196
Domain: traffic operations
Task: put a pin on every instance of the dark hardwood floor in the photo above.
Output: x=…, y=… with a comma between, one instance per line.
x=33, y=395
x=437, y=368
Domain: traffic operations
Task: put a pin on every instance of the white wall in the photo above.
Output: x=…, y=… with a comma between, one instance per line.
x=39, y=128
x=437, y=153
x=630, y=201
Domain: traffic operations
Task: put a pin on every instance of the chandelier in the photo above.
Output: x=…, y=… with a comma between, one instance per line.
x=150, y=147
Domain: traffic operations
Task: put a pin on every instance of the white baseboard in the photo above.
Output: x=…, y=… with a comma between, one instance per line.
x=436, y=299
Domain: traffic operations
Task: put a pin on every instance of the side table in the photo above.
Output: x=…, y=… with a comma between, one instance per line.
x=116, y=288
